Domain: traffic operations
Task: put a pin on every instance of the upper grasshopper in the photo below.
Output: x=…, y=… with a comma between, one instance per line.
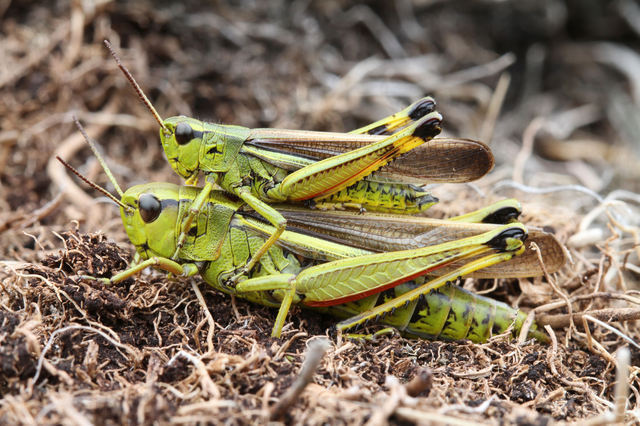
x=330, y=170
x=335, y=276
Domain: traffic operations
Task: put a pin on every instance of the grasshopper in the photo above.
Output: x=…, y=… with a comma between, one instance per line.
x=326, y=170
x=336, y=277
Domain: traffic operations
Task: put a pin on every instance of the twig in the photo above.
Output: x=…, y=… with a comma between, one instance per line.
x=315, y=352
x=526, y=326
x=378, y=29
x=482, y=408
x=495, y=105
x=612, y=329
x=551, y=354
x=554, y=286
x=546, y=190
x=234, y=307
x=528, y=138
x=288, y=343
x=208, y=386
x=256, y=355
x=478, y=71
x=473, y=374
x=609, y=314
x=207, y=314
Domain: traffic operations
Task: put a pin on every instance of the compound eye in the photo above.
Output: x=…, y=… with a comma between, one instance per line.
x=184, y=133
x=149, y=207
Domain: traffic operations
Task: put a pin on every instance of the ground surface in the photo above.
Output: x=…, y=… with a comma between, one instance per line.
x=143, y=351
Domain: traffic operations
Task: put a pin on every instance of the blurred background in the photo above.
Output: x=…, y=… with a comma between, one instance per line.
x=493, y=66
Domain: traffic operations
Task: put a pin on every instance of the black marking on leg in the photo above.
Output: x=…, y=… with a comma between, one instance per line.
x=380, y=130
x=428, y=130
x=496, y=329
x=499, y=242
x=422, y=108
x=502, y=216
x=474, y=324
x=428, y=199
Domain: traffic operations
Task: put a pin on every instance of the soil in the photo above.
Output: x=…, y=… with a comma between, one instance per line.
x=551, y=86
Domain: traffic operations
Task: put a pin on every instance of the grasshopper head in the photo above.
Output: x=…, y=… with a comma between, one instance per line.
x=149, y=212
x=149, y=215
x=182, y=139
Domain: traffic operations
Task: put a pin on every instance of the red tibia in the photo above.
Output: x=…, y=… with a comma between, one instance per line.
x=358, y=296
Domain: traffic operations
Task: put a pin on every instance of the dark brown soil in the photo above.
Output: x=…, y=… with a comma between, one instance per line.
x=143, y=351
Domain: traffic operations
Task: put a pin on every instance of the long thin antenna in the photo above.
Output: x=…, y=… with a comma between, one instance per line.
x=98, y=156
x=135, y=85
x=93, y=185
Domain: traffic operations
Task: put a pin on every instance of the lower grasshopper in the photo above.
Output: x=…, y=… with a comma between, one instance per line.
x=222, y=240
x=328, y=170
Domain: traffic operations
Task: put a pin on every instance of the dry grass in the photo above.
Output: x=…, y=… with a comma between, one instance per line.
x=560, y=114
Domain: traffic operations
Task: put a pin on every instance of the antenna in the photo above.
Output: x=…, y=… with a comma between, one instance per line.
x=93, y=185
x=136, y=86
x=98, y=156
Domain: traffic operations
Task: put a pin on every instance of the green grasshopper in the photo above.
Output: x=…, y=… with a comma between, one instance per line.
x=328, y=170
x=337, y=277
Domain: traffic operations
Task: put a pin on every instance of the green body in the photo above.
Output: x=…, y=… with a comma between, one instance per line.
x=447, y=313
x=221, y=241
x=257, y=161
x=230, y=156
x=328, y=170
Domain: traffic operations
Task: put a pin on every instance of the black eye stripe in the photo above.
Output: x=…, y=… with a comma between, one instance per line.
x=168, y=203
